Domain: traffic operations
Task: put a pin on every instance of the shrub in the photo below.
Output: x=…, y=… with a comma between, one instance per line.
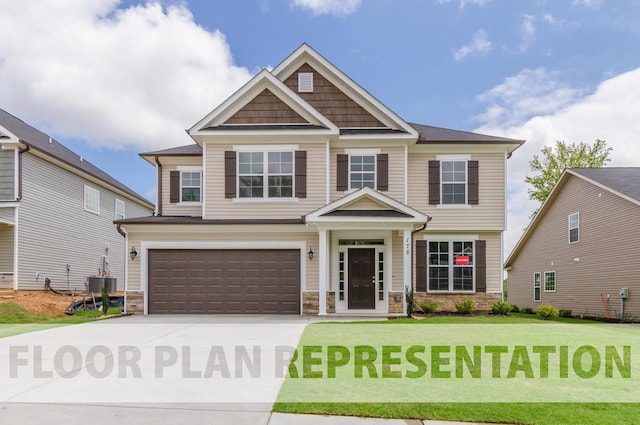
x=564, y=312
x=410, y=302
x=547, y=312
x=501, y=308
x=527, y=310
x=429, y=308
x=515, y=309
x=105, y=300
x=466, y=306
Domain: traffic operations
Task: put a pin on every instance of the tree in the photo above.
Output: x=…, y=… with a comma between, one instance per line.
x=556, y=158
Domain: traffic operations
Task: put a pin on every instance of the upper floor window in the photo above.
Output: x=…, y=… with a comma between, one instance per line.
x=362, y=171
x=185, y=185
x=119, y=209
x=265, y=174
x=190, y=186
x=574, y=227
x=91, y=199
x=454, y=182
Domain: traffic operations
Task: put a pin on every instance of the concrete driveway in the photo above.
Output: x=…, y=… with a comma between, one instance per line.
x=153, y=369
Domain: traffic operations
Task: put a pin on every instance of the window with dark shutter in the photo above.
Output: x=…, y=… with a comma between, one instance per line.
x=342, y=172
x=229, y=174
x=421, y=266
x=481, y=266
x=473, y=183
x=301, y=174
x=434, y=182
x=174, y=187
x=382, y=171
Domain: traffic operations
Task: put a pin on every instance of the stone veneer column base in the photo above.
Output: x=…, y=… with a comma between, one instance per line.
x=447, y=302
x=310, y=303
x=331, y=302
x=134, y=302
x=396, y=307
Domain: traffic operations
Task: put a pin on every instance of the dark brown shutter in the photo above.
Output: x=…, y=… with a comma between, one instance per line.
x=382, y=171
x=434, y=182
x=481, y=266
x=473, y=182
x=229, y=174
x=342, y=173
x=301, y=174
x=174, y=187
x=421, y=266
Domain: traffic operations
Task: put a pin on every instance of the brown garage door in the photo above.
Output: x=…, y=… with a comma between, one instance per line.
x=244, y=281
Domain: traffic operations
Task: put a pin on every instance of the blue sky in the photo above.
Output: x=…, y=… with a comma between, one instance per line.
x=113, y=78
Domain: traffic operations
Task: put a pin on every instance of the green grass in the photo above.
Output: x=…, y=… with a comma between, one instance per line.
x=15, y=320
x=534, y=413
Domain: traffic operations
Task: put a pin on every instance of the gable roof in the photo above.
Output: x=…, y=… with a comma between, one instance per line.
x=430, y=134
x=395, y=212
x=41, y=142
x=620, y=181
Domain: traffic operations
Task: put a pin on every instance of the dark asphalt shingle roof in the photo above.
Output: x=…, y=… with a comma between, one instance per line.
x=366, y=213
x=187, y=150
x=624, y=180
x=430, y=134
x=199, y=220
x=35, y=139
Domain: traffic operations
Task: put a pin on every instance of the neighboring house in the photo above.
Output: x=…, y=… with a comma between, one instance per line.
x=57, y=212
x=575, y=253
x=304, y=194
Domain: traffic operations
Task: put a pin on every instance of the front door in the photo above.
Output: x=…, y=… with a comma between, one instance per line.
x=362, y=278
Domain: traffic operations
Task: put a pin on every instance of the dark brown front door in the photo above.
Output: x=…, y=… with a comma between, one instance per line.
x=362, y=279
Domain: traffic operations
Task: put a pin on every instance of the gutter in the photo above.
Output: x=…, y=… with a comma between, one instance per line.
x=159, y=180
x=20, y=152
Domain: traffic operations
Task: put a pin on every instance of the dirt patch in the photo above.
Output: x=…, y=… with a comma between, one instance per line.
x=38, y=302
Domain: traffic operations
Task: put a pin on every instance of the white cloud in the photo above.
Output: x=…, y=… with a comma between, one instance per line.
x=479, y=44
x=609, y=113
x=463, y=3
x=594, y=4
x=132, y=77
x=527, y=31
x=328, y=7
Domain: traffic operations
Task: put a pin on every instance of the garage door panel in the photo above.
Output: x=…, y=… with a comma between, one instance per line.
x=224, y=281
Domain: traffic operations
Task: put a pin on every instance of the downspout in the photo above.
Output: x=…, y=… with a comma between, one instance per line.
x=20, y=152
x=159, y=180
x=419, y=229
x=126, y=264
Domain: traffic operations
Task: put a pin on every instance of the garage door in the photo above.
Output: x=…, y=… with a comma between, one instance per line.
x=242, y=281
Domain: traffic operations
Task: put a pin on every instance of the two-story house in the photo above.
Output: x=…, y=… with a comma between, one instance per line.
x=305, y=194
x=56, y=213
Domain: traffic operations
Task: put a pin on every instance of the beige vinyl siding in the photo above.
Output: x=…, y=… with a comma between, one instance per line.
x=489, y=214
x=217, y=206
x=494, y=253
x=396, y=172
x=172, y=164
x=7, y=215
x=609, y=235
x=7, y=174
x=6, y=248
x=55, y=230
x=397, y=262
x=224, y=233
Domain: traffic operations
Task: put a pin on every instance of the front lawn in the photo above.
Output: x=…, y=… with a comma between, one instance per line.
x=331, y=375
x=15, y=320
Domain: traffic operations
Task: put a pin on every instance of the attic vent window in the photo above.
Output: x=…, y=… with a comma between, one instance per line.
x=305, y=82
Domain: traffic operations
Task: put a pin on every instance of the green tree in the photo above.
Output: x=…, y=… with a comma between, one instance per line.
x=556, y=158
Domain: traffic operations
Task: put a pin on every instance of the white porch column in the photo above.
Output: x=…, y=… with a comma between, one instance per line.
x=406, y=264
x=323, y=272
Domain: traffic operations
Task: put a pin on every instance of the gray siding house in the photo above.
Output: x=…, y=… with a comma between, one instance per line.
x=577, y=251
x=57, y=212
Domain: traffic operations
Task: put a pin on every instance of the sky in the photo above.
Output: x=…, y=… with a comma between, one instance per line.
x=110, y=79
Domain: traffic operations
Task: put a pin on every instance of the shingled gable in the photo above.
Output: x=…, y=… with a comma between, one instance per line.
x=46, y=145
x=222, y=120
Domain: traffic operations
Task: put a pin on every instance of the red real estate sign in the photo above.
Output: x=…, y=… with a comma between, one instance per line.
x=462, y=260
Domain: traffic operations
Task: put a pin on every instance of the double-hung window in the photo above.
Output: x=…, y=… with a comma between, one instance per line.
x=451, y=266
x=453, y=182
x=190, y=186
x=362, y=171
x=265, y=174
x=91, y=199
x=549, y=281
x=574, y=228
x=536, y=286
x=120, y=205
